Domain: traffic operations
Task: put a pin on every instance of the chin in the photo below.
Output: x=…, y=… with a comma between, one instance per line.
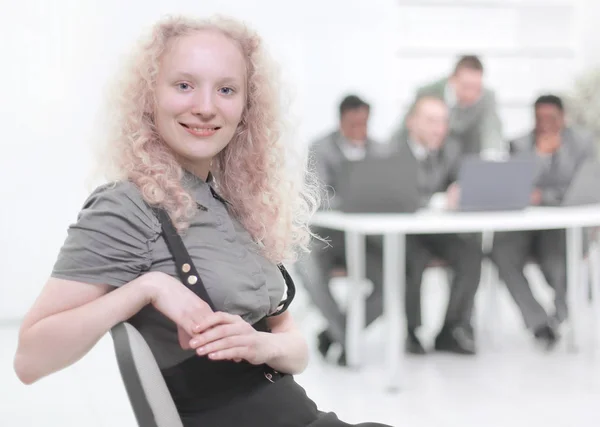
x=202, y=156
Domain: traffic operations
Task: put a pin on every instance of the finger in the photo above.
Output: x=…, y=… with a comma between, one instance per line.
x=185, y=334
x=185, y=330
x=230, y=354
x=215, y=334
x=213, y=320
x=222, y=344
x=192, y=322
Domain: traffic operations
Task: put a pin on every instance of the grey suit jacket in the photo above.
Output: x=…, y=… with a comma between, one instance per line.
x=326, y=158
x=436, y=173
x=477, y=127
x=556, y=171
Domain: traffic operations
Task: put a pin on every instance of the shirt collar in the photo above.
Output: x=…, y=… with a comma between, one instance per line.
x=201, y=189
x=351, y=151
x=419, y=150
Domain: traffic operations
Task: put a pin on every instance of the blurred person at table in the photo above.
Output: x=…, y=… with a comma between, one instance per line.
x=560, y=151
x=438, y=156
x=473, y=115
x=349, y=142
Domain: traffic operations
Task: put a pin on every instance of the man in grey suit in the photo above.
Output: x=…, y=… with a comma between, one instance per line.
x=474, y=119
x=349, y=142
x=559, y=151
x=438, y=157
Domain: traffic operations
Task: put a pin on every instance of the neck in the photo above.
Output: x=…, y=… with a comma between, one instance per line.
x=354, y=142
x=199, y=169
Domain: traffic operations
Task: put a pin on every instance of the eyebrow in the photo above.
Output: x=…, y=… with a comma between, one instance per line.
x=190, y=76
x=184, y=74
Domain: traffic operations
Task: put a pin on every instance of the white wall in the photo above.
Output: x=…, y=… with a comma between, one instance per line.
x=57, y=55
x=590, y=18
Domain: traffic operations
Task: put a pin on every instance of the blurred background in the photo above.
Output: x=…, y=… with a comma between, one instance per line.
x=57, y=57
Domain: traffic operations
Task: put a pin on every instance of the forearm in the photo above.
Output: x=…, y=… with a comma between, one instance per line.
x=60, y=340
x=289, y=352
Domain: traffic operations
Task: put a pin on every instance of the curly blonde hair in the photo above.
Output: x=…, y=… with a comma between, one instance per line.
x=254, y=172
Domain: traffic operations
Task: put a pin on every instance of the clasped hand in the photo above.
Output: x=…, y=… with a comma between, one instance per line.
x=218, y=335
x=223, y=336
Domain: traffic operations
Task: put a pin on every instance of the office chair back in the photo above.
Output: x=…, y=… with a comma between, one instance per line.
x=150, y=399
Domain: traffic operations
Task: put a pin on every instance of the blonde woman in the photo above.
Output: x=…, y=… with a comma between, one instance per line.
x=197, y=160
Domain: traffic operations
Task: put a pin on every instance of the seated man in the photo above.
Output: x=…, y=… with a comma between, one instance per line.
x=350, y=142
x=474, y=120
x=560, y=152
x=439, y=157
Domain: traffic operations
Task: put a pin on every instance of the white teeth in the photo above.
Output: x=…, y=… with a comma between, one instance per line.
x=202, y=129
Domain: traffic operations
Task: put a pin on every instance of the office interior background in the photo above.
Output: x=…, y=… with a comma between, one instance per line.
x=57, y=58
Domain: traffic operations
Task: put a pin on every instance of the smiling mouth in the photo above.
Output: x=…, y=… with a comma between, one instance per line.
x=201, y=131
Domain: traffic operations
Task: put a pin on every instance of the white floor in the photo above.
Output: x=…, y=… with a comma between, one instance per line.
x=511, y=384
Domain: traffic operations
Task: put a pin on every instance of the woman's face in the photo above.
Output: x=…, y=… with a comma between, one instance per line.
x=200, y=97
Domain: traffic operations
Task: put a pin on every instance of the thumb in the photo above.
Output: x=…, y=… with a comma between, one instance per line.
x=184, y=338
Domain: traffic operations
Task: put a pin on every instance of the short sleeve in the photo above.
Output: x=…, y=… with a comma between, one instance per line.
x=109, y=243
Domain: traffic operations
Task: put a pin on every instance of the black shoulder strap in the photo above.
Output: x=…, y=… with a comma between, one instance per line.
x=185, y=267
x=291, y=292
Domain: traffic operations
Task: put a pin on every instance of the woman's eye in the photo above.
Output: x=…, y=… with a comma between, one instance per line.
x=183, y=86
x=226, y=90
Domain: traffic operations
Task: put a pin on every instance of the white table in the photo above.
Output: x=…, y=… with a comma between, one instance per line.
x=394, y=228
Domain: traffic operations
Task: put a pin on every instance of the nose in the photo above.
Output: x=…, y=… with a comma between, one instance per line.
x=204, y=104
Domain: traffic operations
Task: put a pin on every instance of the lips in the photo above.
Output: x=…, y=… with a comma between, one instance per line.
x=201, y=130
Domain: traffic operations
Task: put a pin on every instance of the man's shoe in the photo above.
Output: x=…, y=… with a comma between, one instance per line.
x=324, y=343
x=413, y=345
x=547, y=336
x=455, y=340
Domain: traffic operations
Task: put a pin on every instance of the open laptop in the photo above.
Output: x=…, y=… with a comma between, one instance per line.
x=585, y=186
x=379, y=185
x=488, y=185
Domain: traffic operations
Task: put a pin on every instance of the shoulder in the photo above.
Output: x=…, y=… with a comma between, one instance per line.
x=109, y=242
x=119, y=194
x=324, y=143
x=489, y=96
x=522, y=143
x=122, y=202
x=326, y=139
x=580, y=137
x=435, y=88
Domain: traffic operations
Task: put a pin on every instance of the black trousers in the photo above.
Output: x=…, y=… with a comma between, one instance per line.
x=463, y=254
x=511, y=252
x=314, y=270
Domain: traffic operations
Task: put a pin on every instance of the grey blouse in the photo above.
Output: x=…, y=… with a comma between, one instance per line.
x=117, y=238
